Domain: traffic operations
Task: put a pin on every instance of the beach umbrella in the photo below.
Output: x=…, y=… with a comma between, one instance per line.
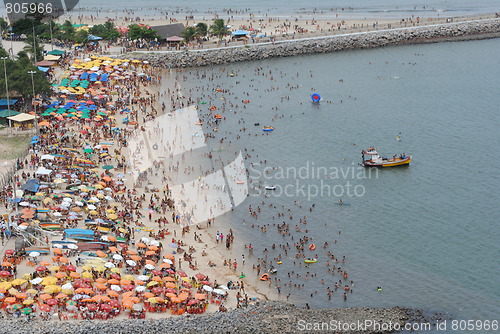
x=116, y=288
x=208, y=288
x=200, y=276
x=107, y=167
x=52, y=302
x=109, y=265
x=117, y=256
x=18, y=281
x=5, y=273
x=45, y=308
x=219, y=291
x=36, y=280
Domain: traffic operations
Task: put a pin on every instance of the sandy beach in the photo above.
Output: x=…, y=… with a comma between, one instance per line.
x=199, y=200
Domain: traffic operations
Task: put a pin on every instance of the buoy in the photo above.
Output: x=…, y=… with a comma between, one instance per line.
x=312, y=246
x=315, y=97
x=279, y=262
x=264, y=277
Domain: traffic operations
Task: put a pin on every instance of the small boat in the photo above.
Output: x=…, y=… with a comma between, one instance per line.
x=82, y=237
x=270, y=188
x=240, y=182
x=370, y=158
x=268, y=128
x=51, y=227
x=256, y=124
x=311, y=260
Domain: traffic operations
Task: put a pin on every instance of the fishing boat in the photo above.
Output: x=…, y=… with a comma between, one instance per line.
x=371, y=158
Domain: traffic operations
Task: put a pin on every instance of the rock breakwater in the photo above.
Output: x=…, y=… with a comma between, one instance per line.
x=425, y=34
x=268, y=317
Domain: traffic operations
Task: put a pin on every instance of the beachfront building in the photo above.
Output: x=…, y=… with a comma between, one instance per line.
x=169, y=30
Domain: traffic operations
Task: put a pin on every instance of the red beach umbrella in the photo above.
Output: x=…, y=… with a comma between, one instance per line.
x=106, y=308
x=114, y=303
x=52, y=301
x=45, y=308
x=200, y=276
x=92, y=307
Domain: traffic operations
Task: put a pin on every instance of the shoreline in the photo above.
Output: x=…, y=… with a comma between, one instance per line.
x=470, y=30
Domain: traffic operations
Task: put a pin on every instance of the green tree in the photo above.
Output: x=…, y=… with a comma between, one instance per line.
x=81, y=36
x=25, y=26
x=67, y=31
x=201, y=29
x=44, y=30
x=33, y=47
x=19, y=80
x=218, y=28
x=3, y=25
x=188, y=34
x=137, y=32
x=107, y=31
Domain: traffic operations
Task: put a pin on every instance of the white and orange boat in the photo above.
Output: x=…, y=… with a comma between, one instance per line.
x=372, y=159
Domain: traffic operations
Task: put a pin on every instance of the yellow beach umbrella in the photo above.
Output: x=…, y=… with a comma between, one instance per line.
x=49, y=280
x=18, y=281
x=87, y=275
x=52, y=289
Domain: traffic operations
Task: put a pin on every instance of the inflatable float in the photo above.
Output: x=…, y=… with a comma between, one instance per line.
x=311, y=260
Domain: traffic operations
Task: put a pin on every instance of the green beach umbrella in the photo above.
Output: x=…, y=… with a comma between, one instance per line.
x=26, y=310
x=17, y=307
x=88, y=150
x=107, y=167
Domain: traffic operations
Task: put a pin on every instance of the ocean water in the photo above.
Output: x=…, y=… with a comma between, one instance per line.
x=427, y=234
x=319, y=8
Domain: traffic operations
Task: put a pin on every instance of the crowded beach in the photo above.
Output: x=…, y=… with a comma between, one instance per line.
x=81, y=238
